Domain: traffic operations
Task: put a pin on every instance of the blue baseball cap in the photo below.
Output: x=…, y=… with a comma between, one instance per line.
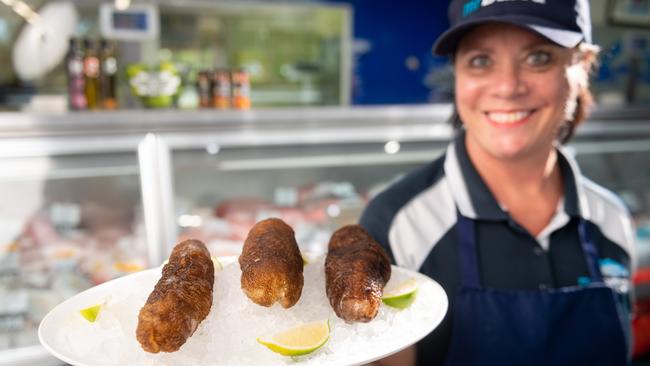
x=564, y=22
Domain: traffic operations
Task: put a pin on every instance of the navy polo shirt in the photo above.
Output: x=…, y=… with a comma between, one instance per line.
x=415, y=221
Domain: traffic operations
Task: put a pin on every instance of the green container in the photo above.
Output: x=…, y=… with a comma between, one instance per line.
x=156, y=87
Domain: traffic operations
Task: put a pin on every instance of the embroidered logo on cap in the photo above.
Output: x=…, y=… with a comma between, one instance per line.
x=474, y=5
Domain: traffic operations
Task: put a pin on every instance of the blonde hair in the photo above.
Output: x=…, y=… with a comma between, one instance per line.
x=588, y=54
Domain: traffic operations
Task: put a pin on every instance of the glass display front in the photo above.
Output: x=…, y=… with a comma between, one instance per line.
x=66, y=224
x=221, y=193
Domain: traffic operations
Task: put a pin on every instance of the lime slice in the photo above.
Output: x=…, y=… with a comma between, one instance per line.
x=91, y=313
x=300, y=340
x=402, y=295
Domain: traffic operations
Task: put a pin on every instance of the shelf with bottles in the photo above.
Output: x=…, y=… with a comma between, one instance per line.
x=168, y=85
x=92, y=74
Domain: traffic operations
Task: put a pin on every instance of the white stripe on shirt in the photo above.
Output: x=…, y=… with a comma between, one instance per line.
x=460, y=192
x=410, y=239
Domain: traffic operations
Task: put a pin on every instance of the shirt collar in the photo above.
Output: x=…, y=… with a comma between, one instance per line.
x=575, y=201
x=474, y=199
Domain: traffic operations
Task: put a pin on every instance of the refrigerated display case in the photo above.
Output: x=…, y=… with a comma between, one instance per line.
x=77, y=180
x=70, y=218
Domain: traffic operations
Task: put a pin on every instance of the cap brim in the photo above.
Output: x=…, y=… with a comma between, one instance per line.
x=447, y=43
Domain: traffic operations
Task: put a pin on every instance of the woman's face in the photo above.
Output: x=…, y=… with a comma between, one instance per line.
x=512, y=90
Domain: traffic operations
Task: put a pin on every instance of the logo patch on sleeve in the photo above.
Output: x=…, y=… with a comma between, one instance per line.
x=615, y=275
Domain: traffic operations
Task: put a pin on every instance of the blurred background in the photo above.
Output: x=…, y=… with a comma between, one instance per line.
x=126, y=126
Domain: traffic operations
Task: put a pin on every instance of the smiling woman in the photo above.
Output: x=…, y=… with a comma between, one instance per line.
x=505, y=220
x=515, y=89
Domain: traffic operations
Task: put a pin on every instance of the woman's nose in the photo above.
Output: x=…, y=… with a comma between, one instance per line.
x=509, y=82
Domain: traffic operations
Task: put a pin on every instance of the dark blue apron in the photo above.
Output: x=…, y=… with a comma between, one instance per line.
x=581, y=325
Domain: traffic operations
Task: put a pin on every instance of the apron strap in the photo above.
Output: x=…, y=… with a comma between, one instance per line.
x=466, y=231
x=591, y=253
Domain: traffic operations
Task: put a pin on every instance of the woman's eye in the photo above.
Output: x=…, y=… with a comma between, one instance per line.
x=538, y=58
x=479, y=61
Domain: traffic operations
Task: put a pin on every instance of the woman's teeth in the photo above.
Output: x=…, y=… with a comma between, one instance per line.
x=511, y=117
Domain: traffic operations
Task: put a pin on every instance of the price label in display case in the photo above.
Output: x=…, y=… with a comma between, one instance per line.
x=137, y=22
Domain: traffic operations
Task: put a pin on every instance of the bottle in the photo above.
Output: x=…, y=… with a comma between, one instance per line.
x=203, y=86
x=241, y=90
x=189, y=97
x=108, y=75
x=91, y=75
x=75, y=71
x=221, y=97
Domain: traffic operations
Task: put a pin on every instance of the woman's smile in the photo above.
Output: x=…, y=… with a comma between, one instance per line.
x=508, y=119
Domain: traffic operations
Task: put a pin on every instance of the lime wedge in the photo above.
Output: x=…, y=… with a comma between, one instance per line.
x=402, y=295
x=300, y=340
x=91, y=313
